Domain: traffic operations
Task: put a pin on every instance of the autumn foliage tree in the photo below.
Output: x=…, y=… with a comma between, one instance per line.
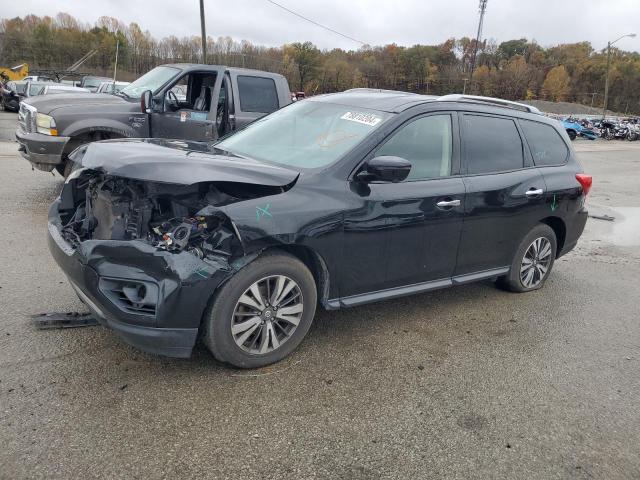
x=514, y=69
x=556, y=84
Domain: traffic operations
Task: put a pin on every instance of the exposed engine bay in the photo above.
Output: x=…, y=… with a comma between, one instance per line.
x=170, y=217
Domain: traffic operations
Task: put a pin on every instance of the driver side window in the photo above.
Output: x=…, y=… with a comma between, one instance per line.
x=426, y=143
x=191, y=92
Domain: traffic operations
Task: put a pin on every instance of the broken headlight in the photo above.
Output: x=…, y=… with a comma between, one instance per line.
x=75, y=173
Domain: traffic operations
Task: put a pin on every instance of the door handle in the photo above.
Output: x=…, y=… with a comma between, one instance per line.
x=448, y=203
x=534, y=192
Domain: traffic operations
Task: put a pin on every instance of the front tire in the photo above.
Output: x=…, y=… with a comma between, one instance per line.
x=572, y=134
x=532, y=262
x=262, y=313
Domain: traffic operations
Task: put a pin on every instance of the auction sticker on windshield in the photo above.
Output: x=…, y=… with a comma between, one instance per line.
x=365, y=118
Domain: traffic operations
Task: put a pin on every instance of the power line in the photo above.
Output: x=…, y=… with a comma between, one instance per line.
x=316, y=23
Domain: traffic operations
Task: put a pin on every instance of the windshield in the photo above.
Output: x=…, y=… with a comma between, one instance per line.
x=307, y=134
x=152, y=80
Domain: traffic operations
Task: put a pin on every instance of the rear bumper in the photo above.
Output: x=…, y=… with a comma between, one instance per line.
x=43, y=151
x=182, y=285
x=574, y=231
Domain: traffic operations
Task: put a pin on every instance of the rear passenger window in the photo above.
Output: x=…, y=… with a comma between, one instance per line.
x=547, y=147
x=257, y=94
x=492, y=144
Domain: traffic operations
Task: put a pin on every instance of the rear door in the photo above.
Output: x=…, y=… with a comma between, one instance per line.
x=254, y=97
x=505, y=193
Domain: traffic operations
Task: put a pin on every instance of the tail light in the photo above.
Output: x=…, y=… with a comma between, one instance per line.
x=585, y=181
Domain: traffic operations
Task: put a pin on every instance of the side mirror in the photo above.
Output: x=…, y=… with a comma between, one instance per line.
x=145, y=101
x=385, y=169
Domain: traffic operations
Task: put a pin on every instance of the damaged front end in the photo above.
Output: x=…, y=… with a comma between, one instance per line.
x=147, y=256
x=170, y=217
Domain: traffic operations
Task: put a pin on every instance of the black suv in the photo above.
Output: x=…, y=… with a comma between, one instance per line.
x=339, y=200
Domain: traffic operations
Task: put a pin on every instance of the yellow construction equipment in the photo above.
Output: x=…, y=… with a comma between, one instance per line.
x=14, y=73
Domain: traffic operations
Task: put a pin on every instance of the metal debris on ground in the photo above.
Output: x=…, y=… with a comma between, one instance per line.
x=608, y=218
x=46, y=321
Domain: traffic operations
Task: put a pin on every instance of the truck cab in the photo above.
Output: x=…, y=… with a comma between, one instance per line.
x=183, y=101
x=206, y=103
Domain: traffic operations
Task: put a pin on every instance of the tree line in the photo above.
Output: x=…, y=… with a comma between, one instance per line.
x=515, y=69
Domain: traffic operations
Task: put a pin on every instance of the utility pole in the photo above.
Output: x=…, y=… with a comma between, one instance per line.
x=115, y=67
x=606, y=82
x=203, y=33
x=606, y=76
x=483, y=9
x=464, y=87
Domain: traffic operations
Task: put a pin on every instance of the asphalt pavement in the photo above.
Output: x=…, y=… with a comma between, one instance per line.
x=470, y=382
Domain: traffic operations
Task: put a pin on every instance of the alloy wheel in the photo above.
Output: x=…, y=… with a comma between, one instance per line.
x=267, y=314
x=535, y=263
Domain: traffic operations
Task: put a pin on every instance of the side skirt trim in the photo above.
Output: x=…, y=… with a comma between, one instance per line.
x=403, y=291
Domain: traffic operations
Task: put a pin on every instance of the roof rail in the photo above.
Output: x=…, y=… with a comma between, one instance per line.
x=378, y=90
x=456, y=97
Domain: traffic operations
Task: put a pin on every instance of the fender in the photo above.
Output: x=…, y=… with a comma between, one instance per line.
x=121, y=129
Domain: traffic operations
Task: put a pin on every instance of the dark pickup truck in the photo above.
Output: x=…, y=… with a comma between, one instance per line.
x=178, y=101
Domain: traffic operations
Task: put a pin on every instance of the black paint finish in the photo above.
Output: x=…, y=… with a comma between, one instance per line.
x=363, y=241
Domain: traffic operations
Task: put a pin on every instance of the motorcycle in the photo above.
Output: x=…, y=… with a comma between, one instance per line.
x=607, y=130
x=633, y=132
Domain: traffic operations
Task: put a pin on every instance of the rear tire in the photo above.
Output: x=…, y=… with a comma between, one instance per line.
x=271, y=334
x=532, y=262
x=572, y=134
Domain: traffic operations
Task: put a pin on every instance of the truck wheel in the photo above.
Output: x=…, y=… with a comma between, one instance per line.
x=572, y=134
x=66, y=167
x=532, y=262
x=262, y=313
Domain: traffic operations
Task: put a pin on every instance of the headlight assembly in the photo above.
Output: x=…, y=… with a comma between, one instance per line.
x=46, y=124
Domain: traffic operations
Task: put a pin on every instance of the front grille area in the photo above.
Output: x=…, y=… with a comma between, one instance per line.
x=27, y=117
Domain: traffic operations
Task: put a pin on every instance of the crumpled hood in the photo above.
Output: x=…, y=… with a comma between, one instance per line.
x=177, y=161
x=48, y=103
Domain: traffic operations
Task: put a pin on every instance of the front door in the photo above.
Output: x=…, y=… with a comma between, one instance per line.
x=408, y=232
x=505, y=193
x=190, y=116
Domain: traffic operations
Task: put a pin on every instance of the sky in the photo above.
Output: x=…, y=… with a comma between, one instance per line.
x=376, y=22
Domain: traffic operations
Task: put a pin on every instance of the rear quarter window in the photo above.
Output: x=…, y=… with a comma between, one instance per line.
x=547, y=147
x=257, y=94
